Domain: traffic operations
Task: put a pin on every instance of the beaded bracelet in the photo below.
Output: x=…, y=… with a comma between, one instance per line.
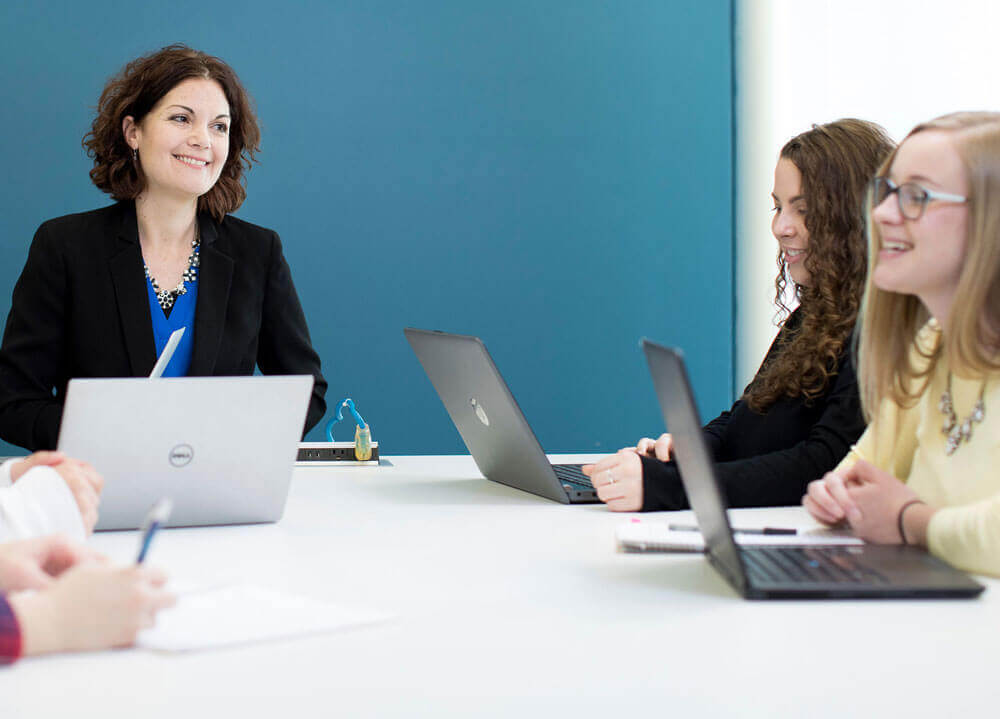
x=899, y=518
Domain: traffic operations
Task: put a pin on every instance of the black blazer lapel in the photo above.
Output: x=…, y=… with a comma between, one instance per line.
x=215, y=277
x=130, y=294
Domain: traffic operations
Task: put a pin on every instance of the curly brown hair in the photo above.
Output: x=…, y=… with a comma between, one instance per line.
x=135, y=91
x=837, y=162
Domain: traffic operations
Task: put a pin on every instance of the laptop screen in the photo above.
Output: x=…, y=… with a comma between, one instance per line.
x=696, y=465
x=484, y=411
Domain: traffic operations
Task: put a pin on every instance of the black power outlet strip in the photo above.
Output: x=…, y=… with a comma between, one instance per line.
x=337, y=453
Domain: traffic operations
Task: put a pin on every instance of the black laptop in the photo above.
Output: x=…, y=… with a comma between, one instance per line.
x=491, y=424
x=785, y=572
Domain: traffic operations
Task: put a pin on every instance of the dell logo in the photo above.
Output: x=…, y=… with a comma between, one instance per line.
x=181, y=455
x=480, y=412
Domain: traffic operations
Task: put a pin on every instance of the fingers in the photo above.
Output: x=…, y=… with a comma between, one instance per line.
x=619, y=483
x=93, y=477
x=26, y=575
x=81, y=473
x=47, y=458
x=817, y=512
x=605, y=481
x=38, y=459
x=822, y=505
x=646, y=446
x=156, y=577
x=604, y=472
x=663, y=447
x=865, y=472
x=619, y=497
x=609, y=487
x=612, y=460
x=157, y=601
x=85, y=483
x=626, y=503
x=837, y=487
x=88, y=501
x=151, y=593
x=56, y=553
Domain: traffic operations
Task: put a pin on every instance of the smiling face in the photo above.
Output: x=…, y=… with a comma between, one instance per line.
x=924, y=257
x=183, y=141
x=789, y=223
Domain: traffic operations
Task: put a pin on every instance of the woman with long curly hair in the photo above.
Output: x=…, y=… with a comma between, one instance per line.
x=924, y=472
x=102, y=291
x=800, y=413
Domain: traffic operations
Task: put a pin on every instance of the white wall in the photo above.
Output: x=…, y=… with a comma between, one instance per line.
x=799, y=62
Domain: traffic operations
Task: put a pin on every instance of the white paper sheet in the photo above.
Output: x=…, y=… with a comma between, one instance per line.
x=244, y=613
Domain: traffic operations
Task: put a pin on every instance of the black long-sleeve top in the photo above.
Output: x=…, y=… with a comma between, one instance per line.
x=768, y=459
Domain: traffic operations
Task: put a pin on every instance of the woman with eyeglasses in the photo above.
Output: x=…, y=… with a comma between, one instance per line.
x=925, y=470
x=800, y=413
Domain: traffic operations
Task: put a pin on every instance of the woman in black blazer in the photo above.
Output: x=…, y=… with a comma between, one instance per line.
x=173, y=134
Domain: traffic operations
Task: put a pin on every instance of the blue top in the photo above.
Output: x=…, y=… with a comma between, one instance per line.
x=181, y=315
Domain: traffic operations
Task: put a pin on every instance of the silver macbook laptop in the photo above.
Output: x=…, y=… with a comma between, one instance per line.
x=803, y=572
x=489, y=420
x=222, y=448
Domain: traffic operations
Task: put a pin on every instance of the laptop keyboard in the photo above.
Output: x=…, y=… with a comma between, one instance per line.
x=571, y=473
x=808, y=564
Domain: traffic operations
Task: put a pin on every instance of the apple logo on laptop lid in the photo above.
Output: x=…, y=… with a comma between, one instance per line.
x=480, y=412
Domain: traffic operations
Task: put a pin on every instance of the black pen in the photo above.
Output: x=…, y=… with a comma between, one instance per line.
x=784, y=531
x=157, y=517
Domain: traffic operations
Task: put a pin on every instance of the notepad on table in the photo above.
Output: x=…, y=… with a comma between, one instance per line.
x=245, y=613
x=637, y=535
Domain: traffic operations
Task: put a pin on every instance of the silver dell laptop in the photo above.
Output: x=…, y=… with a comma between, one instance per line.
x=788, y=572
x=491, y=424
x=222, y=448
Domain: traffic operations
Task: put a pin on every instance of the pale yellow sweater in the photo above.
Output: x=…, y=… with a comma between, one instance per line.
x=965, y=487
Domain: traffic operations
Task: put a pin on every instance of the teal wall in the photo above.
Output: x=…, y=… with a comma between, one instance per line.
x=552, y=175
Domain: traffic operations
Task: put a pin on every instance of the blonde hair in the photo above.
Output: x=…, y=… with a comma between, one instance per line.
x=887, y=368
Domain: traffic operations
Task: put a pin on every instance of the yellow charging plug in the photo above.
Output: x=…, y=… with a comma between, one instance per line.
x=362, y=443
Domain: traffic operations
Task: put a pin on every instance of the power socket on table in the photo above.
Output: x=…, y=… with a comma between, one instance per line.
x=333, y=454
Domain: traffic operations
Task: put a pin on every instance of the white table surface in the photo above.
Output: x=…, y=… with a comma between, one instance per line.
x=510, y=605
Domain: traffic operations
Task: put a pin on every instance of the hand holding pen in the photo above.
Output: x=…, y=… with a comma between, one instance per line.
x=81, y=604
x=157, y=517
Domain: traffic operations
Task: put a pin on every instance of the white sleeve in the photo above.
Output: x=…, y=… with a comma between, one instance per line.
x=39, y=503
x=5, y=480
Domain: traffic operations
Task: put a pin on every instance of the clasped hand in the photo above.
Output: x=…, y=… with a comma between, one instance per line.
x=81, y=478
x=867, y=498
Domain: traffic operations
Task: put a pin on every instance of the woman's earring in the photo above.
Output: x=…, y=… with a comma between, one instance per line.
x=135, y=155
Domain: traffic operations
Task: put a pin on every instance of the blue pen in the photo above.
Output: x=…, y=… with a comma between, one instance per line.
x=157, y=517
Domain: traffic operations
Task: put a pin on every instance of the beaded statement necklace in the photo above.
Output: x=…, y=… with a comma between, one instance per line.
x=955, y=431
x=166, y=298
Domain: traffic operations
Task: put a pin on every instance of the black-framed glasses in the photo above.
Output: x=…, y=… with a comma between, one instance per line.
x=912, y=198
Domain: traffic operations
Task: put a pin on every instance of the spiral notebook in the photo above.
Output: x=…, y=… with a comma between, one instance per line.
x=656, y=536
